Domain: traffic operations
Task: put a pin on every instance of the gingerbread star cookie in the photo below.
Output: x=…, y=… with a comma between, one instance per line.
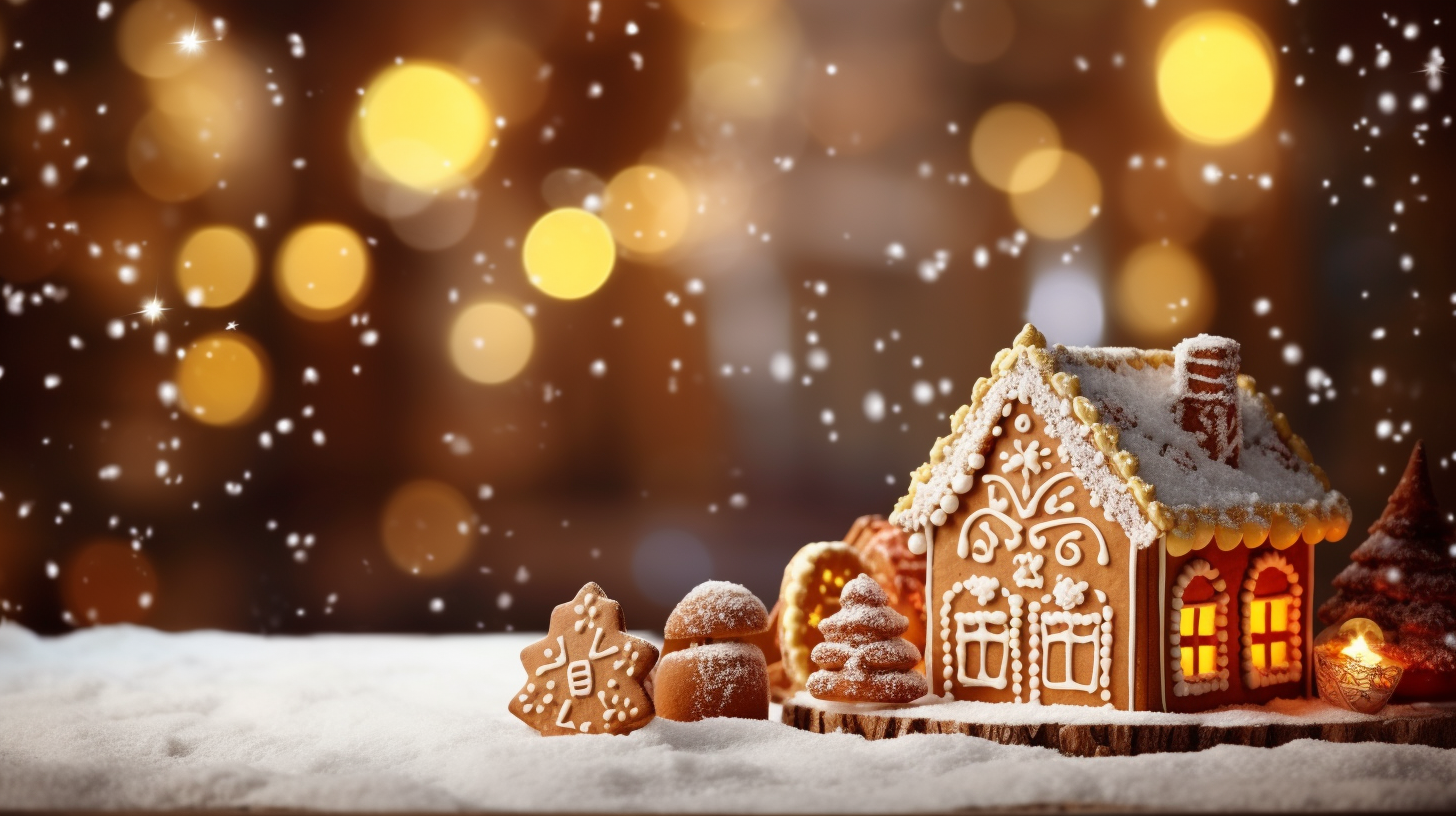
x=586, y=675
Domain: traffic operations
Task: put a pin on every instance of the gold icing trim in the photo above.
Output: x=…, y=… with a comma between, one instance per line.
x=1186, y=528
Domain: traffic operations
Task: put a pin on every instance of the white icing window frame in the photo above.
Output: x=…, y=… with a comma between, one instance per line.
x=1215, y=681
x=1255, y=677
x=1010, y=638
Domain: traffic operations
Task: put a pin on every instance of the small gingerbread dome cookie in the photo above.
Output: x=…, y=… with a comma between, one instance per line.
x=719, y=610
x=707, y=668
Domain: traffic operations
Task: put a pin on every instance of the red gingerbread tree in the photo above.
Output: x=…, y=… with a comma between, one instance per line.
x=1404, y=578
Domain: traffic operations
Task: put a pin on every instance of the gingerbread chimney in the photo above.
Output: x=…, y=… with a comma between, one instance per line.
x=1206, y=401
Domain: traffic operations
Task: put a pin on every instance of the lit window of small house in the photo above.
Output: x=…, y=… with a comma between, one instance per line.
x=1270, y=611
x=1199, y=630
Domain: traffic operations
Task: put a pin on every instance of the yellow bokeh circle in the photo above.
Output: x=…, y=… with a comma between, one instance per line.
x=322, y=271
x=1163, y=293
x=491, y=342
x=647, y=209
x=223, y=379
x=426, y=527
x=425, y=126
x=1215, y=77
x=568, y=253
x=1004, y=136
x=149, y=34
x=1066, y=199
x=216, y=266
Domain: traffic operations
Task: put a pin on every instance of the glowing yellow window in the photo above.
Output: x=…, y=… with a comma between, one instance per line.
x=1199, y=645
x=1269, y=631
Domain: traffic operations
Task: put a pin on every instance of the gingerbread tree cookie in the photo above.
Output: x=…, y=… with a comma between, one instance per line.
x=809, y=594
x=863, y=658
x=1403, y=577
x=585, y=675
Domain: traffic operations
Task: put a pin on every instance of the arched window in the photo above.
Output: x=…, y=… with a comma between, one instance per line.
x=1198, y=633
x=1269, y=607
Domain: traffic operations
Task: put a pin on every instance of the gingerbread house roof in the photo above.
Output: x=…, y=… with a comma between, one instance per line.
x=1114, y=411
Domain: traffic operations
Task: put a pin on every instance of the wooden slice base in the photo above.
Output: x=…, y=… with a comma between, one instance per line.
x=1434, y=726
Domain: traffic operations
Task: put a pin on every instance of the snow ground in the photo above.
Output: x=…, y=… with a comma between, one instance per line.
x=124, y=717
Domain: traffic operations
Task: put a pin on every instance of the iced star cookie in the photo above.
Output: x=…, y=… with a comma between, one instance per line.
x=586, y=675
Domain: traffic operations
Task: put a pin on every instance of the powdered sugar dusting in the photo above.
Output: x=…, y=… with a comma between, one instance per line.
x=717, y=609
x=1139, y=401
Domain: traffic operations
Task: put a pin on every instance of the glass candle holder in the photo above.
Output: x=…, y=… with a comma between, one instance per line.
x=1349, y=669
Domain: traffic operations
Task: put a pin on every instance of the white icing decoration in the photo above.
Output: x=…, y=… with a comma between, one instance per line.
x=597, y=641
x=917, y=543
x=1068, y=541
x=1028, y=509
x=560, y=660
x=982, y=636
x=976, y=461
x=962, y=482
x=1028, y=460
x=1028, y=571
x=579, y=678
x=1070, y=640
x=983, y=587
x=1069, y=594
x=561, y=715
x=950, y=503
x=983, y=550
x=1023, y=422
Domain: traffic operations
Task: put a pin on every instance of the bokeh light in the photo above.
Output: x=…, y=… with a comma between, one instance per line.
x=1066, y=304
x=1004, y=136
x=746, y=72
x=148, y=34
x=491, y=342
x=569, y=253
x=106, y=581
x=647, y=209
x=222, y=379
x=724, y=15
x=216, y=266
x=427, y=528
x=977, y=31
x=1156, y=206
x=425, y=126
x=1066, y=201
x=1163, y=293
x=173, y=158
x=1215, y=77
x=573, y=187
x=513, y=76
x=322, y=271
x=668, y=563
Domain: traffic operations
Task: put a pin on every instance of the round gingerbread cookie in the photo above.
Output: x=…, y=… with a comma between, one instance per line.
x=810, y=592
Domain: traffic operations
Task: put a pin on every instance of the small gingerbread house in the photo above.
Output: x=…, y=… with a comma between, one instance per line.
x=1121, y=527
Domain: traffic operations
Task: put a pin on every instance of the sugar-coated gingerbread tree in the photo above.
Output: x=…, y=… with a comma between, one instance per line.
x=863, y=658
x=1403, y=577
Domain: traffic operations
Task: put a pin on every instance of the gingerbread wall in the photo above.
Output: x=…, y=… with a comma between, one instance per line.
x=1236, y=568
x=1013, y=565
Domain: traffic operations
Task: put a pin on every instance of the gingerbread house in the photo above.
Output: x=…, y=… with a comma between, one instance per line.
x=1119, y=527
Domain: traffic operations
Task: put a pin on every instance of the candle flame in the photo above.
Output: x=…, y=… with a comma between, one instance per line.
x=1360, y=652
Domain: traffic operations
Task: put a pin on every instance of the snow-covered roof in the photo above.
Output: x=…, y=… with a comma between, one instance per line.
x=1113, y=409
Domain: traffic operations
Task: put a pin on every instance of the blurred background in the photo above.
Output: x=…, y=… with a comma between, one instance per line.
x=340, y=316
